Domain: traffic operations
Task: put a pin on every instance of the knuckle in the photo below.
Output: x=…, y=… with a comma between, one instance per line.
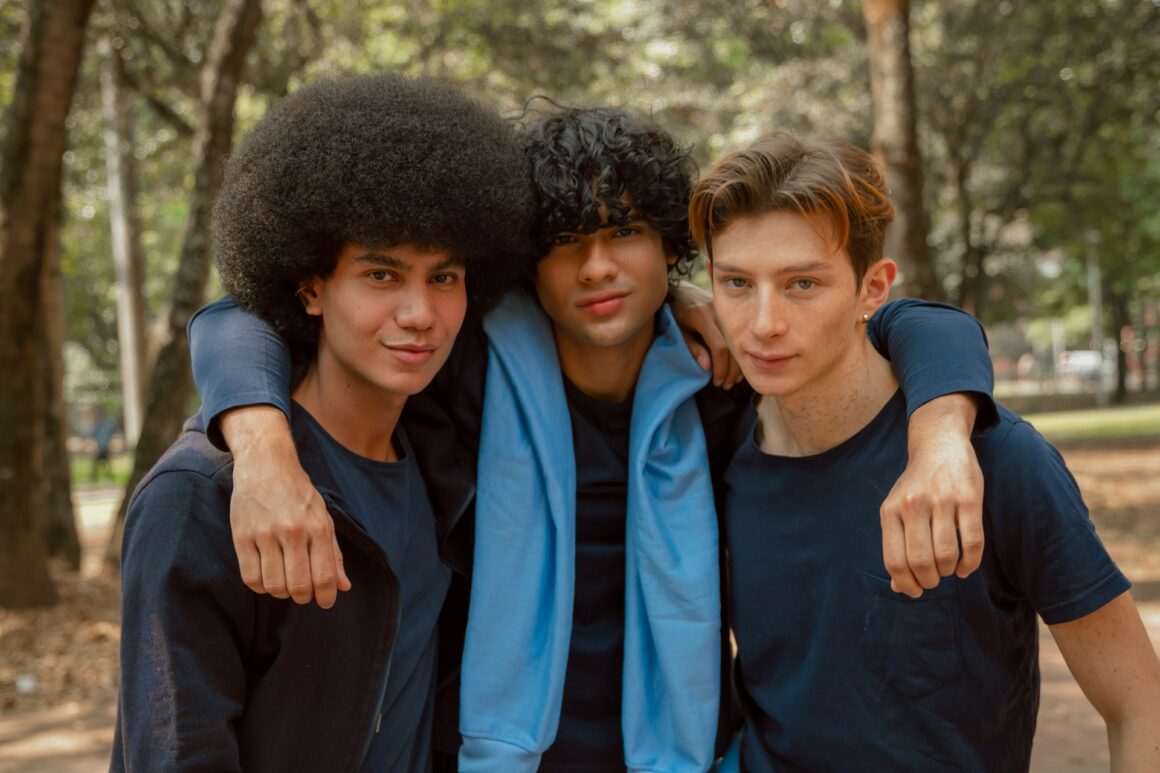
x=922, y=564
x=277, y=590
x=299, y=588
x=896, y=567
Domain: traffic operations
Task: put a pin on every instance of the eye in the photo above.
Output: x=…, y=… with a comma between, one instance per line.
x=623, y=231
x=803, y=284
x=563, y=239
x=734, y=282
x=446, y=279
x=381, y=275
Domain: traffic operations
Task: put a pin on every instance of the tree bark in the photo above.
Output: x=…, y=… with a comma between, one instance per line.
x=169, y=386
x=125, y=225
x=895, y=142
x=53, y=40
x=60, y=519
x=1118, y=306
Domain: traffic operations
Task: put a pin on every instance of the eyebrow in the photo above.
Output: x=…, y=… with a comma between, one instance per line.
x=797, y=268
x=376, y=258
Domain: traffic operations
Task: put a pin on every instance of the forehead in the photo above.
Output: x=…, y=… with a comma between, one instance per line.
x=773, y=241
x=399, y=256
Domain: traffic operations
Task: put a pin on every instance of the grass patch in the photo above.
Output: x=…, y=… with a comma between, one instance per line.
x=81, y=471
x=1132, y=421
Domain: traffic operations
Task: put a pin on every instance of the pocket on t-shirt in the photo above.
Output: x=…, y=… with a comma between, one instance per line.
x=914, y=645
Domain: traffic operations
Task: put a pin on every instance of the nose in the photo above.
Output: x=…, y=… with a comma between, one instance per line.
x=416, y=308
x=598, y=263
x=768, y=319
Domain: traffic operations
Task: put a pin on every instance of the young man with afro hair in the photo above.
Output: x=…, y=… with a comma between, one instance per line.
x=594, y=638
x=360, y=219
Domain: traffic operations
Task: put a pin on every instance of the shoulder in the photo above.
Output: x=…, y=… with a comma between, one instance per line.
x=191, y=476
x=1015, y=458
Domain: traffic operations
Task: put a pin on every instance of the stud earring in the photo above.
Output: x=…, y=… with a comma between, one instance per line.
x=865, y=317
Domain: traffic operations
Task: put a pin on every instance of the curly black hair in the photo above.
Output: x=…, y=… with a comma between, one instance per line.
x=376, y=160
x=581, y=159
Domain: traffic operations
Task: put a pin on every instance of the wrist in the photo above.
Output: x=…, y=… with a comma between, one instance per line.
x=945, y=417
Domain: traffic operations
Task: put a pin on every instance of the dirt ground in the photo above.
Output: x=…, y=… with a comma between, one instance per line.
x=58, y=667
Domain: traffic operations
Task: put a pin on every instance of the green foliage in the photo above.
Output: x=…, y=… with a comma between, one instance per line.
x=1046, y=110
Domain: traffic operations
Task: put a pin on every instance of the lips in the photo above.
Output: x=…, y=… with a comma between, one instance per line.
x=412, y=354
x=603, y=304
x=769, y=361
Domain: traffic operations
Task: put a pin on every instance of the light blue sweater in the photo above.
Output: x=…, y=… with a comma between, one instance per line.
x=520, y=619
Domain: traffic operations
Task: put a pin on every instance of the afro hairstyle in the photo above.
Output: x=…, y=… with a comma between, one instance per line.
x=582, y=159
x=375, y=160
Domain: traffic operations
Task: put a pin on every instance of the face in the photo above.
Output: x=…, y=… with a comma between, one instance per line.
x=389, y=316
x=788, y=303
x=602, y=290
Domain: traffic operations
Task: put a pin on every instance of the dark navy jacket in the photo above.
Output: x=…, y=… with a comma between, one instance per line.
x=216, y=677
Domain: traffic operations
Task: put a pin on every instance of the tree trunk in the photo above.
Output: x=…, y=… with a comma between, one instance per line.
x=169, y=386
x=30, y=175
x=1118, y=306
x=60, y=519
x=125, y=225
x=971, y=277
x=895, y=142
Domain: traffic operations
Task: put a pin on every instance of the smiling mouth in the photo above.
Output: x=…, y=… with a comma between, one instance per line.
x=771, y=361
x=412, y=354
x=603, y=305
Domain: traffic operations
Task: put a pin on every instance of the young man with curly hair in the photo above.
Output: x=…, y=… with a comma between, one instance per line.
x=594, y=639
x=350, y=221
x=847, y=675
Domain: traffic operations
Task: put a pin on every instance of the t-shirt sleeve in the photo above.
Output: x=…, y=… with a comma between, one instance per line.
x=185, y=619
x=238, y=359
x=936, y=350
x=1045, y=542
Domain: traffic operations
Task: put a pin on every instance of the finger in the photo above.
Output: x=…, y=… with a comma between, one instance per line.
x=894, y=557
x=250, y=564
x=919, y=547
x=944, y=536
x=296, y=560
x=719, y=351
x=343, y=580
x=735, y=374
x=970, y=523
x=698, y=350
x=273, y=575
x=323, y=572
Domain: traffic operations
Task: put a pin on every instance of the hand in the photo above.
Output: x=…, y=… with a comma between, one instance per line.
x=283, y=534
x=937, y=502
x=693, y=310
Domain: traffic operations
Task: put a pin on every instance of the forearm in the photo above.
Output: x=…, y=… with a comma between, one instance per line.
x=949, y=418
x=1134, y=743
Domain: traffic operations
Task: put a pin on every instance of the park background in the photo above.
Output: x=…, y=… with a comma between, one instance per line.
x=1020, y=138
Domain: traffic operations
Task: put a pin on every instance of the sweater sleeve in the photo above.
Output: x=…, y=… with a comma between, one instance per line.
x=936, y=350
x=238, y=359
x=186, y=623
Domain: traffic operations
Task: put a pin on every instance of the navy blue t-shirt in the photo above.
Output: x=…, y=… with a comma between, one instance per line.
x=389, y=500
x=590, y=738
x=840, y=673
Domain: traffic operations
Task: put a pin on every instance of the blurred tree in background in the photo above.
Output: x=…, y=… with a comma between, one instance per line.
x=1035, y=122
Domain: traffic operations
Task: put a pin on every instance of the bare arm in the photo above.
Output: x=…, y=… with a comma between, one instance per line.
x=1113, y=660
x=937, y=502
x=282, y=532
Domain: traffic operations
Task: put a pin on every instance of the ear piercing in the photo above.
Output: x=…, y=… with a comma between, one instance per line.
x=865, y=317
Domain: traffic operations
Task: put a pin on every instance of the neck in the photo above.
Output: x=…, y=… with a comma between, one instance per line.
x=824, y=415
x=361, y=417
x=605, y=373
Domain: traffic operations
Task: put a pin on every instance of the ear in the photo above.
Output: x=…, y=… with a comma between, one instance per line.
x=876, y=285
x=310, y=294
x=670, y=259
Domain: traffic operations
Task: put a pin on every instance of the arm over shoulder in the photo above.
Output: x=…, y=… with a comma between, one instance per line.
x=238, y=360
x=935, y=350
